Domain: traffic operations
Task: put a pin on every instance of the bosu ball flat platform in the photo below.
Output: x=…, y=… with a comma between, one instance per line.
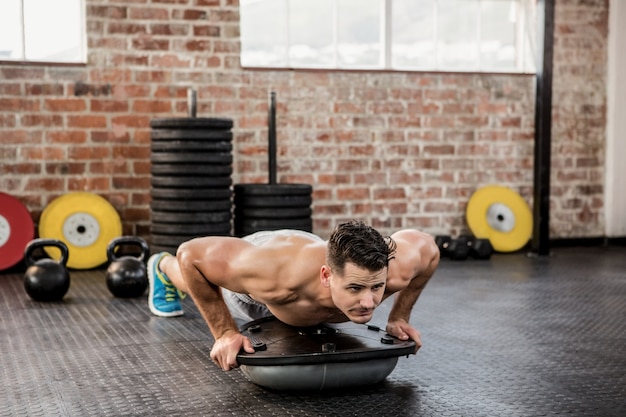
x=320, y=357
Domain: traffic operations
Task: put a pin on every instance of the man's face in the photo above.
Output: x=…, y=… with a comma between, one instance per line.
x=358, y=292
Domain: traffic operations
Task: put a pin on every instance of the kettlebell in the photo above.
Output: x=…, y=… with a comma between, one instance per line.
x=46, y=279
x=126, y=276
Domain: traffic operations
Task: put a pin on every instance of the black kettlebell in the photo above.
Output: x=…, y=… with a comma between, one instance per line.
x=126, y=276
x=46, y=279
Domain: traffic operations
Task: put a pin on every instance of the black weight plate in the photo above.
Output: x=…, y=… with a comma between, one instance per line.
x=190, y=182
x=171, y=249
x=267, y=224
x=223, y=158
x=189, y=229
x=273, y=212
x=191, y=217
x=273, y=189
x=190, y=206
x=192, y=123
x=190, y=193
x=169, y=240
x=273, y=201
x=176, y=240
x=191, y=145
x=192, y=169
x=245, y=231
x=191, y=135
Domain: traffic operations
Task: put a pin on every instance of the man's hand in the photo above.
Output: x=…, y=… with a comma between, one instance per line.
x=404, y=331
x=226, y=348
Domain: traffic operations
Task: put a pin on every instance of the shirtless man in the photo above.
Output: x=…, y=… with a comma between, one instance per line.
x=296, y=277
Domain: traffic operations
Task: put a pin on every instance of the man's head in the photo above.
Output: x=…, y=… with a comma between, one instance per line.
x=356, y=269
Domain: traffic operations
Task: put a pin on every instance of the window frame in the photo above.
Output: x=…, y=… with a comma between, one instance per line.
x=525, y=52
x=81, y=58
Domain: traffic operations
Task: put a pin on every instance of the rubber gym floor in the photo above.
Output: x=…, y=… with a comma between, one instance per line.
x=512, y=336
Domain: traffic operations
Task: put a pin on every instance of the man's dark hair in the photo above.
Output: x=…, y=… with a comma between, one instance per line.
x=360, y=244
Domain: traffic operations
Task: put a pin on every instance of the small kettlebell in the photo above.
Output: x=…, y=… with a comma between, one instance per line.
x=126, y=276
x=46, y=279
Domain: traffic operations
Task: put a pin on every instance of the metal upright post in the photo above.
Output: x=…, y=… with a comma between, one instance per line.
x=540, y=242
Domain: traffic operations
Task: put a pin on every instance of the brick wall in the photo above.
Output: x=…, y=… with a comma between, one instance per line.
x=397, y=149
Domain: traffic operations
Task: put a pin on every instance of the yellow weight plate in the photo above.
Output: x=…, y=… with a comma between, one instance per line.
x=501, y=215
x=86, y=223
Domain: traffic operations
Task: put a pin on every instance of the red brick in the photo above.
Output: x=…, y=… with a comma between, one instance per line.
x=47, y=183
x=189, y=14
x=170, y=29
x=346, y=194
x=150, y=44
x=141, y=167
x=116, y=135
x=206, y=30
x=469, y=121
x=116, y=166
x=91, y=184
x=135, y=214
x=44, y=89
x=64, y=105
x=10, y=89
x=152, y=76
x=42, y=153
x=438, y=122
x=126, y=28
x=169, y=61
x=130, y=60
x=23, y=73
x=86, y=121
x=130, y=183
x=75, y=137
x=19, y=104
x=131, y=121
x=65, y=168
x=131, y=152
x=152, y=106
x=39, y=119
x=89, y=152
x=369, y=178
x=224, y=15
x=441, y=95
x=107, y=12
x=331, y=209
x=228, y=47
x=109, y=106
x=20, y=168
x=148, y=13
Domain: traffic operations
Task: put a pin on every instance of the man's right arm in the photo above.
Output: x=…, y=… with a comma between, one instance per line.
x=205, y=265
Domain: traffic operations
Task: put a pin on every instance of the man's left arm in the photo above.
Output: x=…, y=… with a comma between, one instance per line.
x=417, y=255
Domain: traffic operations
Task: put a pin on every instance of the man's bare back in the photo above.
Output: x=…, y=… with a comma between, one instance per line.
x=294, y=278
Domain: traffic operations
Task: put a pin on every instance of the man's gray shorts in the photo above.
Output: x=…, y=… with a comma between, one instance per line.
x=242, y=307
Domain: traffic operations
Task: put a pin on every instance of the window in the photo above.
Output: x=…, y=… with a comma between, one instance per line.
x=42, y=30
x=423, y=35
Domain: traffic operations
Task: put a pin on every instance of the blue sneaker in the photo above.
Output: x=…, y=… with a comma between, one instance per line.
x=164, y=298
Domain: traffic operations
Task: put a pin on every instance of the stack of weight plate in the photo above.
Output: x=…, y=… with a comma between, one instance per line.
x=191, y=180
x=272, y=207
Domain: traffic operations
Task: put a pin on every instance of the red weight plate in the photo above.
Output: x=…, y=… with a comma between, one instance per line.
x=16, y=230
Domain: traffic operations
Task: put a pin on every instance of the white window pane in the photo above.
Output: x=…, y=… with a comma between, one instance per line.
x=263, y=33
x=359, y=27
x=497, y=44
x=10, y=30
x=412, y=34
x=457, y=34
x=53, y=30
x=311, y=33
